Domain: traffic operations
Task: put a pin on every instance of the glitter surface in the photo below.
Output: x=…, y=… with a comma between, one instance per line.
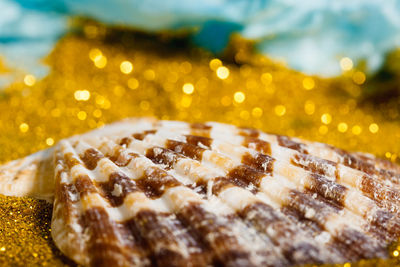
x=112, y=74
x=25, y=237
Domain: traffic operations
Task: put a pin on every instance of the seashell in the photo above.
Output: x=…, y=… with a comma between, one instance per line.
x=143, y=192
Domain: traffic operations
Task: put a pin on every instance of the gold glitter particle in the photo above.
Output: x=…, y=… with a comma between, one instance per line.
x=188, y=88
x=347, y=264
x=186, y=101
x=396, y=253
x=81, y=115
x=133, y=83
x=222, y=72
x=257, y=112
x=356, y=130
x=149, y=74
x=94, y=54
x=266, y=78
x=226, y=101
x=309, y=107
x=308, y=83
x=119, y=90
x=215, y=64
x=29, y=80
x=323, y=129
x=239, y=97
x=23, y=127
x=373, y=128
x=49, y=141
x=2, y=249
x=144, y=105
x=280, y=110
x=185, y=67
x=244, y=114
x=126, y=67
x=82, y=95
x=326, y=118
x=100, y=62
x=342, y=127
x=359, y=77
x=97, y=113
x=346, y=64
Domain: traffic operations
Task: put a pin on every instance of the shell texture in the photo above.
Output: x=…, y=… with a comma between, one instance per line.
x=143, y=192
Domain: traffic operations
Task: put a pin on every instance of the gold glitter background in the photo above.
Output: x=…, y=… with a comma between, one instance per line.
x=99, y=74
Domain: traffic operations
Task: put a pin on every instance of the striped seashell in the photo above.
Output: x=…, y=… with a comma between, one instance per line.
x=143, y=192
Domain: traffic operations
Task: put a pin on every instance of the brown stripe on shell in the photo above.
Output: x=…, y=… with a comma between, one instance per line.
x=388, y=222
x=70, y=160
x=84, y=185
x=190, y=151
x=300, y=221
x=243, y=176
x=367, y=165
x=218, y=184
x=321, y=199
x=294, y=243
x=66, y=195
x=378, y=232
x=260, y=162
x=200, y=129
x=217, y=233
x=164, y=237
x=387, y=165
x=248, y=132
x=246, y=177
x=313, y=229
x=200, y=126
x=257, y=144
x=389, y=175
x=315, y=165
x=124, y=142
x=354, y=162
x=122, y=159
x=66, y=192
x=90, y=157
x=387, y=198
x=361, y=244
x=309, y=209
x=116, y=188
x=199, y=141
x=381, y=233
x=155, y=182
x=160, y=155
x=328, y=189
x=104, y=245
x=280, y=230
x=285, y=141
x=142, y=135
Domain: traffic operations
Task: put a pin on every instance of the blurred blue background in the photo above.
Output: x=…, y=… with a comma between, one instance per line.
x=310, y=35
